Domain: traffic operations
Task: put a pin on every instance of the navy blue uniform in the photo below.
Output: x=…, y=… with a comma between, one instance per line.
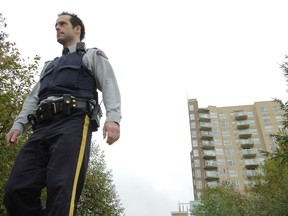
x=56, y=155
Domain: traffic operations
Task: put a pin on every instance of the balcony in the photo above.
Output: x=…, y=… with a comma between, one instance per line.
x=210, y=164
x=245, y=134
x=212, y=184
x=251, y=163
x=204, y=117
x=206, y=144
x=246, y=143
x=251, y=173
x=206, y=135
x=203, y=110
x=248, y=153
x=241, y=125
x=240, y=116
x=211, y=175
x=205, y=126
x=209, y=154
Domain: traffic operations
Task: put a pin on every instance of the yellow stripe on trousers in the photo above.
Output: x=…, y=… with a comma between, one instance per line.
x=79, y=164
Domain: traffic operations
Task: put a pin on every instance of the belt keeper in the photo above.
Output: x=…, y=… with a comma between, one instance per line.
x=66, y=104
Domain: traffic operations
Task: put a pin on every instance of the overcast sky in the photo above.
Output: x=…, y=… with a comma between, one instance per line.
x=164, y=52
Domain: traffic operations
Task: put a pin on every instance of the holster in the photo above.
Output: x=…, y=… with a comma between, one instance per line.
x=96, y=115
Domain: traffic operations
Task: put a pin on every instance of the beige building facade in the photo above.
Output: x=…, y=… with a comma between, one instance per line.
x=228, y=142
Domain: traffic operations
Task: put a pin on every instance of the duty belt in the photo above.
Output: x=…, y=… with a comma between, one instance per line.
x=48, y=110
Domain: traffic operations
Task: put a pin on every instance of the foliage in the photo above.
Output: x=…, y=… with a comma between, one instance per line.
x=99, y=196
x=272, y=189
x=16, y=79
x=223, y=200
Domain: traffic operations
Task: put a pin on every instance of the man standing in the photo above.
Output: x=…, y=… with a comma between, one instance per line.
x=63, y=111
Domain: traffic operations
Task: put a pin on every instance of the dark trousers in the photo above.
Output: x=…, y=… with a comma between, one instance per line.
x=55, y=156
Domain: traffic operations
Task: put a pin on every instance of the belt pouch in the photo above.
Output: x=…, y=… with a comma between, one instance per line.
x=66, y=104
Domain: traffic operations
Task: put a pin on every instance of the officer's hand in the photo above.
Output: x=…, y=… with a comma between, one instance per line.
x=12, y=137
x=112, y=131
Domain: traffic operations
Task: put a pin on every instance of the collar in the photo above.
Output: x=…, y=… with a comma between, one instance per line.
x=80, y=46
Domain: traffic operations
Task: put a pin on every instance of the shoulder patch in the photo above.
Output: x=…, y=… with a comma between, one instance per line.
x=101, y=53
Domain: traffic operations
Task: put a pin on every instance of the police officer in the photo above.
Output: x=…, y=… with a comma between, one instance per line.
x=63, y=110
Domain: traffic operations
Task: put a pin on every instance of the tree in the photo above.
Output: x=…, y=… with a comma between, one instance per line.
x=16, y=78
x=99, y=196
x=224, y=200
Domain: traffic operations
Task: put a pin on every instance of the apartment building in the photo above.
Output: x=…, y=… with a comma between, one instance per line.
x=228, y=142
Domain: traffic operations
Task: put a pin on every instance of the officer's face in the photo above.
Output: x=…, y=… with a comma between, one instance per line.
x=66, y=34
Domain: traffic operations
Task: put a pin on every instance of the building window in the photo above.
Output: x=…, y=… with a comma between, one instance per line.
x=225, y=133
x=227, y=142
x=191, y=107
x=254, y=131
x=193, y=133
x=219, y=151
x=213, y=114
x=192, y=117
x=215, y=123
x=217, y=142
x=266, y=119
x=196, y=153
x=231, y=162
x=256, y=140
x=229, y=152
x=268, y=128
x=196, y=163
x=235, y=183
x=251, y=122
x=279, y=118
x=194, y=143
x=224, y=124
x=222, y=172
x=264, y=110
x=233, y=173
x=223, y=116
x=216, y=132
x=250, y=114
x=277, y=109
x=199, y=185
x=197, y=173
x=192, y=124
x=220, y=161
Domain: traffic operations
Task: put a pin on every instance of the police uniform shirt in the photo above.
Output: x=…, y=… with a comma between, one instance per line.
x=97, y=62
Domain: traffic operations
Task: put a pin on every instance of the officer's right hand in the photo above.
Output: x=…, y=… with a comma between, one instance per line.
x=12, y=137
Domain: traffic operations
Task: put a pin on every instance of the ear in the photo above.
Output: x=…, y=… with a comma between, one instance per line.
x=78, y=29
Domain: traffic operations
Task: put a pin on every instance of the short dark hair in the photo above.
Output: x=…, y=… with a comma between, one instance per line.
x=75, y=21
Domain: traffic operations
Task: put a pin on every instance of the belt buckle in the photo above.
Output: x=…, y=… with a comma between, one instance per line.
x=54, y=108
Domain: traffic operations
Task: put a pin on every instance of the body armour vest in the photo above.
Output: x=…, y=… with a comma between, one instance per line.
x=67, y=75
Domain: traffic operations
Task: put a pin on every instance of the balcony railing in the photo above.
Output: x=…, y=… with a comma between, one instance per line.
x=211, y=175
x=240, y=116
x=206, y=135
x=206, y=144
x=242, y=125
x=204, y=117
x=251, y=173
x=246, y=143
x=245, y=134
x=210, y=164
x=209, y=154
x=249, y=163
x=249, y=152
x=206, y=126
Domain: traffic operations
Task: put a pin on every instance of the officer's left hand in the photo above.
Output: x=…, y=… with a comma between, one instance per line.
x=112, y=131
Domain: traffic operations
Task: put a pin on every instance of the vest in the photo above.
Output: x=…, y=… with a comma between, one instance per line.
x=68, y=75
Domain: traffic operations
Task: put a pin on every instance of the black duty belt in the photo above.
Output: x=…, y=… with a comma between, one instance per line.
x=65, y=106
